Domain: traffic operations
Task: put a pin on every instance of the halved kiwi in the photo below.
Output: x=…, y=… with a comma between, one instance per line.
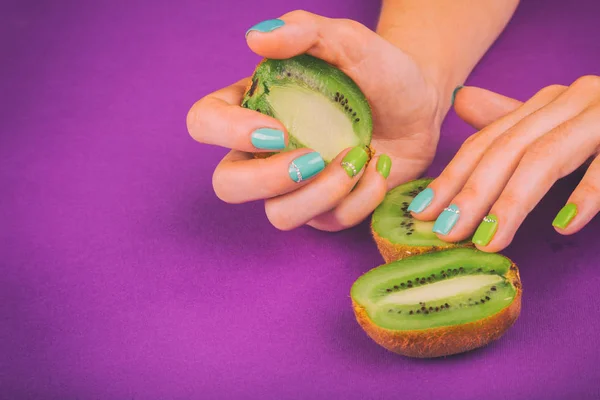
x=320, y=106
x=397, y=233
x=438, y=304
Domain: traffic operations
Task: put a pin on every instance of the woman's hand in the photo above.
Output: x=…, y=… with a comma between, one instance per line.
x=407, y=114
x=501, y=173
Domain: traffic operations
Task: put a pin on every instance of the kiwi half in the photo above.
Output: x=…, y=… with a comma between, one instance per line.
x=320, y=106
x=438, y=304
x=397, y=234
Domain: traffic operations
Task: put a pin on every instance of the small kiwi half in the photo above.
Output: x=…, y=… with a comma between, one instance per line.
x=320, y=106
x=440, y=303
x=397, y=233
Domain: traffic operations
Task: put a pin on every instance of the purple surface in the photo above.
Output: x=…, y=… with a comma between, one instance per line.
x=123, y=276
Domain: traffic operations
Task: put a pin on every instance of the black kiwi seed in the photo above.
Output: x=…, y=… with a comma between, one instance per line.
x=493, y=288
x=357, y=119
x=403, y=284
x=346, y=108
x=411, y=312
x=425, y=312
x=418, y=311
x=409, y=285
x=493, y=271
x=487, y=297
x=409, y=233
x=447, y=305
x=388, y=290
x=354, y=114
x=399, y=312
x=482, y=301
x=409, y=282
x=437, y=309
x=422, y=308
x=396, y=287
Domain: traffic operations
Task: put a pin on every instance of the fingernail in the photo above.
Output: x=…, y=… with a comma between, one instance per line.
x=266, y=26
x=486, y=230
x=354, y=161
x=454, y=94
x=421, y=201
x=306, y=166
x=447, y=219
x=268, y=139
x=384, y=165
x=565, y=216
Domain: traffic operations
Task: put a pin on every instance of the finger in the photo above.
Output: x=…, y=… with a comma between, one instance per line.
x=218, y=119
x=347, y=44
x=487, y=180
x=325, y=192
x=480, y=107
x=453, y=178
x=240, y=177
x=583, y=204
x=366, y=196
x=554, y=156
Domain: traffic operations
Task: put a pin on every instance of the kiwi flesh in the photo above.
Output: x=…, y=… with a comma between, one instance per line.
x=397, y=234
x=320, y=106
x=438, y=304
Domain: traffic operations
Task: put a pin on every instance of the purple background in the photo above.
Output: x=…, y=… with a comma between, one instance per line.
x=123, y=276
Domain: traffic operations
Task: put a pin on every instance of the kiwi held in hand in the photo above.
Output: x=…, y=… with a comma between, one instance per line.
x=319, y=105
x=440, y=303
x=397, y=234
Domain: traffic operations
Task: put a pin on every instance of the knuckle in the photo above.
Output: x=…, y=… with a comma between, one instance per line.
x=587, y=82
x=469, y=192
x=299, y=14
x=551, y=90
x=351, y=25
x=513, y=202
x=589, y=189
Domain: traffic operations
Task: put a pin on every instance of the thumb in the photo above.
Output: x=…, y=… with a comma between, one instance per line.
x=350, y=46
x=480, y=107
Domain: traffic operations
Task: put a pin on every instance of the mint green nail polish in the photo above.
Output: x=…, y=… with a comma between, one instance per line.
x=421, y=201
x=268, y=139
x=447, y=219
x=454, y=94
x=306, y=166
x=266, y=26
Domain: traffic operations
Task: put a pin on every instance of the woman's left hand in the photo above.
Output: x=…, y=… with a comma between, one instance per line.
x=501, y=173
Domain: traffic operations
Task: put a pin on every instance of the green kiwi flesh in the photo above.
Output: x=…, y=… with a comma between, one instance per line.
x=397, y=233
x=320, y=106
x=434, y=290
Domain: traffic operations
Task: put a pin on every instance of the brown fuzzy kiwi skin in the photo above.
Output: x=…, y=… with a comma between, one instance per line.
x=394, y=252
x=445, y=341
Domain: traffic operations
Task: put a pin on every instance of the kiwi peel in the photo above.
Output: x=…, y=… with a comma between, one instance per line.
x=320, y=106
x=438, y=304
x=397, y=234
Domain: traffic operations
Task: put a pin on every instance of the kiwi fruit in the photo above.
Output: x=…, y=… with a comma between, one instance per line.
x=438, y=304
x=320, y=106
x=397, y=234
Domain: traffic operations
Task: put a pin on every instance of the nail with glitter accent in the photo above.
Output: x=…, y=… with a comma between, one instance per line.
x=486, y=230
x=306, y=166
x=354, y=161
x=447, y=219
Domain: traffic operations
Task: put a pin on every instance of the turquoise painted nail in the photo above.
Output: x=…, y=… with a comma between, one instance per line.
x=306, y=166
x=454, y=94
x=447, y=219
x=268, y=139
x=421, y=201
x=266, y=26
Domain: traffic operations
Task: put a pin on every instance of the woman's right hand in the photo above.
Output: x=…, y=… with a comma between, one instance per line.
x=407, y=106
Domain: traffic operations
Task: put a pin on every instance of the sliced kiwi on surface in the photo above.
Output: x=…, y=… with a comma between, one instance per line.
x=440, y=303
x=319, y=105
x=397, y=233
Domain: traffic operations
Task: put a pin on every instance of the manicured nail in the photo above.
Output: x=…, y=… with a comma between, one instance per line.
x=454, y=94
x=384, y=165
x=486, y=230
x=355, y=160
x=447, y=219
x=421, y=201
x=266, y=26
x=268, y=139
x=306, y=166
x=565, y=216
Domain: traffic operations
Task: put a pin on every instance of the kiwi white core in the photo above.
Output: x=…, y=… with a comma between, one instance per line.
x=443, y=289
x=312, y=118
